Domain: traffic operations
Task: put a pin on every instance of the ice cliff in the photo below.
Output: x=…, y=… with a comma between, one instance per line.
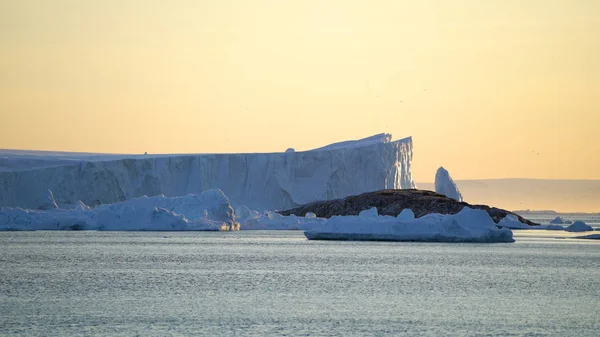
x=258, y=180
x=446, y=186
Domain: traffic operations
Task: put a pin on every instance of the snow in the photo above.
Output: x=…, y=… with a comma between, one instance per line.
x=560, y=221
x=469, y=225
x=209, y=210
x=579, y=226
x=257, y=180
x=446, y=186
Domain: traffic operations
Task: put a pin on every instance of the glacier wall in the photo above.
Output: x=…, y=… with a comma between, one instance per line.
x=260, y=181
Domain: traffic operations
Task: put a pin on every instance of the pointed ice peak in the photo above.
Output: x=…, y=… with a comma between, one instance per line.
x=445, y=185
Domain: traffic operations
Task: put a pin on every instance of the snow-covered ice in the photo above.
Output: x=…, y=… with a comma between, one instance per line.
x=446, y=186
x=469, y=225
x=209, y=210
x=258, y=180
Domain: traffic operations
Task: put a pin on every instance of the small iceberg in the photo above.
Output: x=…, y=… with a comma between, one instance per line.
x=588, y=237
x=512, y=222
x=579, y=226
x=560, y=221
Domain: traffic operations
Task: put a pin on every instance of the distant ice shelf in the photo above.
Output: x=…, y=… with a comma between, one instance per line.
x=258, y=180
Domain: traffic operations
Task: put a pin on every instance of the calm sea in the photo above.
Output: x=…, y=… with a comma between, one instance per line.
x=277, y=283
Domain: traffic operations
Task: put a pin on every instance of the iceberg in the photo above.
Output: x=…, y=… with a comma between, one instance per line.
x=258, y=180
x=560, y=221
x=209, y=210
x=446, y=186
x=469, y=225
x=588, y=237
x=579, y=226
x=512, y=222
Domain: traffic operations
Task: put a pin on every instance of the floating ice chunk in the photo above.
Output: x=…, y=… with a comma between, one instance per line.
x=369, y=213
x=310, y=215
x=290, y=150
x=560, y=221
x=579, y=226
x=406, y=214
x=469, y=225
x=554, y=227
x=446, y=186
x=511, y=221
x=589, y=237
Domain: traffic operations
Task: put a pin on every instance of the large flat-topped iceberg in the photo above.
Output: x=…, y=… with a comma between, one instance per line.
x=469, y=225
x=260, y=181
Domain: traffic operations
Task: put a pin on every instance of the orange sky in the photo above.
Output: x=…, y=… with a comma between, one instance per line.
x=489, y=89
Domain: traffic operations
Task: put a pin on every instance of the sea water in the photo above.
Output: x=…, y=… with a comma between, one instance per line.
x=278, y=283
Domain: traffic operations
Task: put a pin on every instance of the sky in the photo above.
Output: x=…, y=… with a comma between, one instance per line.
x=488, y=89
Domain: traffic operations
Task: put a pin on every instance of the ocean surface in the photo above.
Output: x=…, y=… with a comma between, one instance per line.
x=261, y=283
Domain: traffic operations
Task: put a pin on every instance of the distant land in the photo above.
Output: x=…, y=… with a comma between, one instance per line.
x=531, y=194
